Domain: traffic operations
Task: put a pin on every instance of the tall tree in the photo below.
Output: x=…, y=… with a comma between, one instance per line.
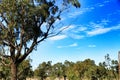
x=26, y=23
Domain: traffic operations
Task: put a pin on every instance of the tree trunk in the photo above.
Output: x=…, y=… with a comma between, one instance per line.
x=13, y=71
x=65, y=77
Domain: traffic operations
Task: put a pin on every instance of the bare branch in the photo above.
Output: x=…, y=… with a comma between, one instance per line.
x=27, y=53
x=55, y=34
x=2, y=26
x=21, y=40
x=2, y=15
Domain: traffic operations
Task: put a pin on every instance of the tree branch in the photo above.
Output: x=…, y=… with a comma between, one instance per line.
x=2, y=26
x=62, y=29
x=4, y=18
x=27, y=53
x=20, y=45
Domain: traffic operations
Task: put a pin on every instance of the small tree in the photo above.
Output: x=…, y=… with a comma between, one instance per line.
x=24, y=24
x=112, y=67
x=43, y=70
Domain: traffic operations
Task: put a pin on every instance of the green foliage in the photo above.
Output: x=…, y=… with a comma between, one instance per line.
x=24, y=17
x=43, y=70
x=4, y=71
x=81, y=70
x=24, y=68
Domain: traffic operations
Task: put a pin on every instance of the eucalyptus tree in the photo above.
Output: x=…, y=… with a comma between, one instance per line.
x=43, y=70
x=59, y=70
x=112, y=67
x=26, y=23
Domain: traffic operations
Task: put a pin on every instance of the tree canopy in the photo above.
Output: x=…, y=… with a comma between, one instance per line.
x=80, y=70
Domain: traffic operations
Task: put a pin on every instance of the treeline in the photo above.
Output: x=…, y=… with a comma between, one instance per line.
x=80, y=70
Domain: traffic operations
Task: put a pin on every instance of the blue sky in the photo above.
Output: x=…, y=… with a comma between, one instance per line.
x=94, y=31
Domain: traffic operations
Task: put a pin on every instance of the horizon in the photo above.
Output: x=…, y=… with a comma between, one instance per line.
x=93, y=32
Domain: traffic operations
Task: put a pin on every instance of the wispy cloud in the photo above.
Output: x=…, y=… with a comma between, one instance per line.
x=82, y=28
x=91, y=46
x=76, y=36
x=101, y=29
x=107, y=1
x=101, y=5
x=58, y=37
x=71, y=45
x=73, y=31
x=98, y=31
x=80, y=12
x=74, y=14
x=86, y=30
x=79, y=28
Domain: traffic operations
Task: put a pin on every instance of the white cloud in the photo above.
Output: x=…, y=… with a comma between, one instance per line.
x=82, y=28
x=73, y=45
x=105, y=22
x=73, y=31
x=101, y=30
x=101, y=5
x=107, y=1
x=98, y=31
x=80, y=12
x=76, y=36
x=88, y=30
x=72, y=15
x=60, y=46
x=92, y=46
x=79, y=29
x=58, y=37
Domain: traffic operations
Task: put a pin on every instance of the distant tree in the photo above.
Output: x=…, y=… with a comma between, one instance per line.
x=26, y=23
x=90, y=68
x=101, y=72
x=112, y=67
x=71, y=71
x=80, y=69
x=43, y=70
x=58, y=67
